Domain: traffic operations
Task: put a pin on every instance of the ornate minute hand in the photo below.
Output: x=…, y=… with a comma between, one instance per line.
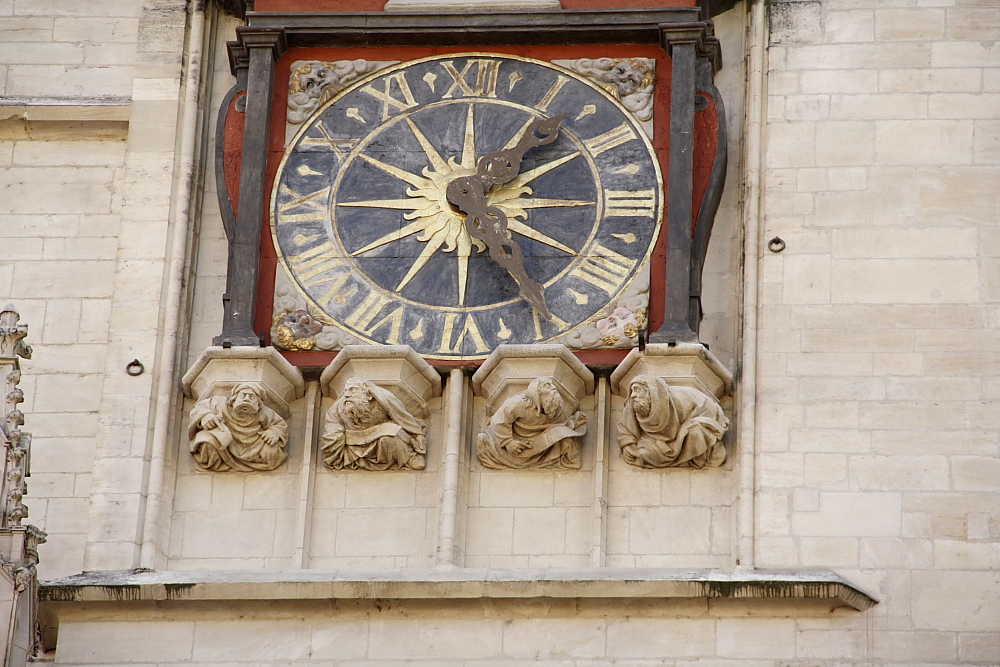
x=489, y=223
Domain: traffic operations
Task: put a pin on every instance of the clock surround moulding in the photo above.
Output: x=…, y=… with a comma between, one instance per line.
x=689, y=116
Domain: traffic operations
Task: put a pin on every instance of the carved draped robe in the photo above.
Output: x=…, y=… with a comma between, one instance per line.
x=236, y=444
x=683, y=429
x=391, y=438
x=552, y=438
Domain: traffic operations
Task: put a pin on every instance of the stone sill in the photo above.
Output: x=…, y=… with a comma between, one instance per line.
x=457, y=584
x=61, y=110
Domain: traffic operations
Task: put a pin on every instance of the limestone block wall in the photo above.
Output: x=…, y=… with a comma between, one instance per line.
x=62, y=177
x=532, y=518
x=370, y=519
x=68, y=50
x=234, y=521
x=672, y=517
x=59, y=218
x=878, y=323
x=681, y=633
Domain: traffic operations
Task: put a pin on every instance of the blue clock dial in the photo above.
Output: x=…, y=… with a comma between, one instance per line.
x=363, y=222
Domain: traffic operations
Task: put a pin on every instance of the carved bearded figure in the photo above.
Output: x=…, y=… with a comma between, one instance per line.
x=670, y=427
x=237, y=433
x=368, y=428
x=536, y=428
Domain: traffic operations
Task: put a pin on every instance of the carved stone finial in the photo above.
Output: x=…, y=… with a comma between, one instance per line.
x=237, y=433
x=665, y=426
x=539, y=427
x=17, y=443
x=12, y=334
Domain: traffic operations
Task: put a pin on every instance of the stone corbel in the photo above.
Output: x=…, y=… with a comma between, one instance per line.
x=394, y=367
x=684, y=364
x=533, y=395
x=239, y=422
x=673, y=416
x=380, y=418
x=218, y=370
x=511, y=368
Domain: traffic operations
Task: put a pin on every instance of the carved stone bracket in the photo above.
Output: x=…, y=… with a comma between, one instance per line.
x=379, y=420
x=684, y=364
x=512, y=367
x=672, y=416
x=218, y=370
x=395, y=367
x=533, y=395
x=239, y=422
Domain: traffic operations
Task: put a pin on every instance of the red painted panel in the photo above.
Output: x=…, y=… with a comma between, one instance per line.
x=323, y=359
x=232, y=150
x=376, y=5
x=706, y=141
x=319, y=5
x=626, y=4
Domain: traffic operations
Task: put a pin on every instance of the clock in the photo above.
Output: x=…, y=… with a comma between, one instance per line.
x=465, y=201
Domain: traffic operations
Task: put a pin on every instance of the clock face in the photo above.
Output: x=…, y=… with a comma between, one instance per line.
x=363, y=222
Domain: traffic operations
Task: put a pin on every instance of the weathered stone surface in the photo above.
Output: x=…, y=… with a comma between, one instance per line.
x=610, y=583
x=368, y=428
x=685, y=364
x=664, y=427
x=237, y=433
x=218, y=370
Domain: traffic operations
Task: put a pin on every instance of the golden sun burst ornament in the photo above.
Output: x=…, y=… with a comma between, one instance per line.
x=370, y=221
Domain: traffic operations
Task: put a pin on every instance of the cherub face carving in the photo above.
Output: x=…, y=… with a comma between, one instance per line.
x=625, y=77
x=313, y=80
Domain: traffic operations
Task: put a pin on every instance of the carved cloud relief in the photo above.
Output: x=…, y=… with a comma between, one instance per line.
x=628, y=80
x=313, y=82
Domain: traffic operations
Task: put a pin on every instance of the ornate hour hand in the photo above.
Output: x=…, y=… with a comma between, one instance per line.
x=489, y=223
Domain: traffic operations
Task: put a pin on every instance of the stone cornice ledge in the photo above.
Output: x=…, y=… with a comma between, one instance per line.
x=607, y=583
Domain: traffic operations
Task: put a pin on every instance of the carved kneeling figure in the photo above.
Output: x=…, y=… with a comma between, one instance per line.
x=237, y=433
x=670, y=427
x=536, y=428
x=368, y=428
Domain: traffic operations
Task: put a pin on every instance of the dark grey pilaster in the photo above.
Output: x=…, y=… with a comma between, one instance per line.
x=677, y=322
x=264, y=47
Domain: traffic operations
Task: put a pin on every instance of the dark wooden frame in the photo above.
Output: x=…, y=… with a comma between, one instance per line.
x=695, y=56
